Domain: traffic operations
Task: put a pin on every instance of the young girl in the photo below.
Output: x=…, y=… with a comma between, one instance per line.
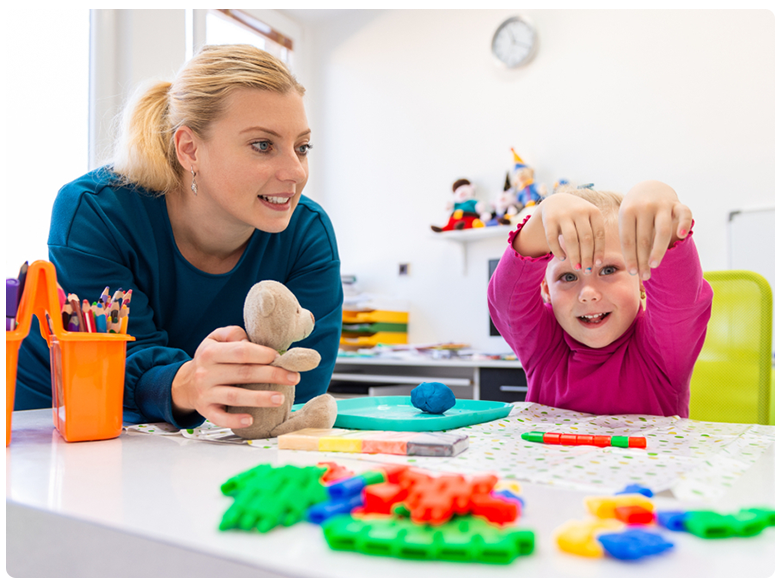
x=569, y=298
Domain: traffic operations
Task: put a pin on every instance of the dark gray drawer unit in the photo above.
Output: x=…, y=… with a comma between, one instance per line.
x=502, y=384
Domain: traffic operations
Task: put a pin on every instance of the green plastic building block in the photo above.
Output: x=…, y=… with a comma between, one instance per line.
x=708, y=524
x=619, y=441
x=266, y=496
x=745, y=523
x=463, y=539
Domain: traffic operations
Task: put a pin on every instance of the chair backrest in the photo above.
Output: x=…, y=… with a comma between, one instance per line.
x=732, y=379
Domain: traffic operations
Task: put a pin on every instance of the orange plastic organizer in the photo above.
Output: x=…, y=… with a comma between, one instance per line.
x=87, y=370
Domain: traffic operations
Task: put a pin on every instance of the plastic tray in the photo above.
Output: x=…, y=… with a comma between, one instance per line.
x=398, y=414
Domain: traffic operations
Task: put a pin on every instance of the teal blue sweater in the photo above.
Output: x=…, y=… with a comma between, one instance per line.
x=103, y=235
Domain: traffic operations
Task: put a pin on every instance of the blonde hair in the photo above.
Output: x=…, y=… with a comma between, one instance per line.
x=608, y=202
x=145, y=153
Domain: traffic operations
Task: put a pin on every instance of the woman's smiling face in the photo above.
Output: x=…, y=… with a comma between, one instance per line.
x=597, y=308
x=253, y=164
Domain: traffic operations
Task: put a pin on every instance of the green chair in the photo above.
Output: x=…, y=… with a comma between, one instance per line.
x=733, y=379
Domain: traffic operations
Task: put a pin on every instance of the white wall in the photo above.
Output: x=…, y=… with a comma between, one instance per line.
x=405, y=102
x=402, y=103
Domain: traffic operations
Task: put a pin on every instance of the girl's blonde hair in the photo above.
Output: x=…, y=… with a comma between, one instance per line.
x=608, y=202
x=145, y=153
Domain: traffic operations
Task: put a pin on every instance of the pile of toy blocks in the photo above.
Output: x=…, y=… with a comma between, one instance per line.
x=393, y=511
x=619, y=526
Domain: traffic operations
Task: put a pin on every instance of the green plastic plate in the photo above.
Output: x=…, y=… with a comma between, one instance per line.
x=398, y=414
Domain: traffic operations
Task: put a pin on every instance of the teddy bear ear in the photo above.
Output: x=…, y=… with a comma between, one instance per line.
x=266, y=302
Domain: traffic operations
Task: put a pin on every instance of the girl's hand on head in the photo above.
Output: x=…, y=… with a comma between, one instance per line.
x=574, y=229
x=226, y=358
x=651, y=220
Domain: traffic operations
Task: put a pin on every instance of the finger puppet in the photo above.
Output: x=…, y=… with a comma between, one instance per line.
x=464, y=213
x=274, y=318
x=527, y=192
x=433, y=397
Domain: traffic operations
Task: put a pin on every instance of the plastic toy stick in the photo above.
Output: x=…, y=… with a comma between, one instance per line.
x=351, y=486
x=323, y=511
x=570, y=439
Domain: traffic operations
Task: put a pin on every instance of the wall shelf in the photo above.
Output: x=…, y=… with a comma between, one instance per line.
x=463, y=237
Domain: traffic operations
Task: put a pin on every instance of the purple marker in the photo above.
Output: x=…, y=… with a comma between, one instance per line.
x=11, y=303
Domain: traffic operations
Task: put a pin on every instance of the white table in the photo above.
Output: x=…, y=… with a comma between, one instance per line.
x=150, y=506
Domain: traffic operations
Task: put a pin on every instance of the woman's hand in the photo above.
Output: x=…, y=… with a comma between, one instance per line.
x=569, y=227
x=651, y=220
x=226, y=358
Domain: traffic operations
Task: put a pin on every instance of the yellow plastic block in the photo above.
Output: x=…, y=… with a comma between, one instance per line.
x=579, y=536
x=351, y=441
x=307, y=439
x=604, y=506
x=510, y=485
x=377, y=315
x=374, y=339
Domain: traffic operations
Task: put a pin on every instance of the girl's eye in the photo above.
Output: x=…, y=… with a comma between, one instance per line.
x=262, y=145
x=609, y=270
x=568, y=277
x=304, y=149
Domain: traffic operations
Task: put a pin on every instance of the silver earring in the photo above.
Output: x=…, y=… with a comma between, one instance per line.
x=193, y=185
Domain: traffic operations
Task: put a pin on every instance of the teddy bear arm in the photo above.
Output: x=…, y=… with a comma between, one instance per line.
x=298, y=360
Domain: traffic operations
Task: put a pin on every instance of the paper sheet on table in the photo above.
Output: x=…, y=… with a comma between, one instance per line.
x=696, y=460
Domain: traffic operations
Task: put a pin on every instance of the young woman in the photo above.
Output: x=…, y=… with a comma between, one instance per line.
x=202, y=200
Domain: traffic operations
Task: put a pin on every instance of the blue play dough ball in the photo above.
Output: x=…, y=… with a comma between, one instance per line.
x=433, y=397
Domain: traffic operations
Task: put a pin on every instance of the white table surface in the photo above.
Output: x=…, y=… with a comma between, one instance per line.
x=144, y=505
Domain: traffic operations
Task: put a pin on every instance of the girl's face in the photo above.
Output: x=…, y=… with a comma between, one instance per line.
x=253, y=164
x=597, y=308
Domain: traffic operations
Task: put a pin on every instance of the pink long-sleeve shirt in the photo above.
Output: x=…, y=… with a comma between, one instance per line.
x=647, y=370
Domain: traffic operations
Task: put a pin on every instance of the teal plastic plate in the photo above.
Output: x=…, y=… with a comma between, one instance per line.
x=398, y=414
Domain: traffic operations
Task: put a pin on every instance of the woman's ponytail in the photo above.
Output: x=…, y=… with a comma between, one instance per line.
x=144, y=153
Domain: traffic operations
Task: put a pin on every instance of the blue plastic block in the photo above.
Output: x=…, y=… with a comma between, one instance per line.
x=637, y=488
x=633, y=544
x=321, y=512
x=672, y=520
x=433, y=397
x=508, y=494
x=347, y=488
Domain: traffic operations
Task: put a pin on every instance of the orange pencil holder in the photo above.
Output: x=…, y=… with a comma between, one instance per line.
x=87, y=370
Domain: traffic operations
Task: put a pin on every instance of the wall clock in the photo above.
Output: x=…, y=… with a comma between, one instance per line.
x=515, y=42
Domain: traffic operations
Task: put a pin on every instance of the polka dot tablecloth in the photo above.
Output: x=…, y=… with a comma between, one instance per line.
x=696, y=460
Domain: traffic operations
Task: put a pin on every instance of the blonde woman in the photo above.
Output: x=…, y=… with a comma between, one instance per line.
x=202, y=200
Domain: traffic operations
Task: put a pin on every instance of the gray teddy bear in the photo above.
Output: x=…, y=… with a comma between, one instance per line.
x=274, y=318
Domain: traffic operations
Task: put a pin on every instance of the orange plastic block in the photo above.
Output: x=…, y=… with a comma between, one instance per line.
x=393, y=472
x=579, y=536
x=604, y=506
x=634, y=515
x=602, y=441
x=380, y=498
x=552, y=438
x=334, y=472
x=568, y=439
x=494, y=509
x=585, y=440
x=637, y=442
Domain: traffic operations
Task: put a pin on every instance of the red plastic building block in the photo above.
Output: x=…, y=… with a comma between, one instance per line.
x=380, y=498
x=637, y=442
x=568, y=439
x=334, y=472
x=602, y=441
x=552, y=438
x=493, y=509
x=585, y=440
x=634, y=515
